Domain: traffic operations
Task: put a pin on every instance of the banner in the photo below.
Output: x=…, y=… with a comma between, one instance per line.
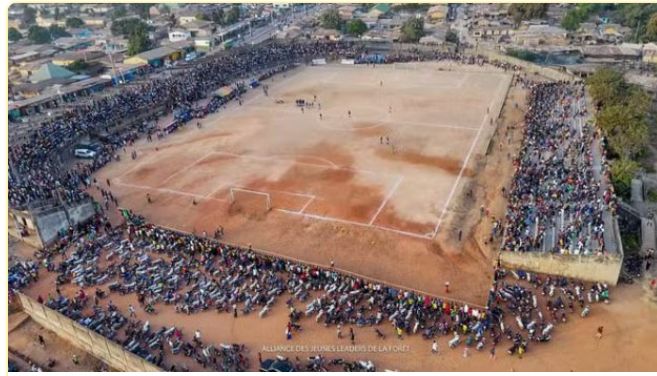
x=348, y=61
x=319, y=61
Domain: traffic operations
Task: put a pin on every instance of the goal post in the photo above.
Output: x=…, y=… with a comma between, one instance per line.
x=235, y=192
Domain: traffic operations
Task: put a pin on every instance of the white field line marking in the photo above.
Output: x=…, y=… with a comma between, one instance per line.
x=266, y=158
x=186, y=168
x=307, y=156
x=172, y=191
x=465, y=163
x=306, y=205
x=386, y=199
x=219, y=187
x=407, y=233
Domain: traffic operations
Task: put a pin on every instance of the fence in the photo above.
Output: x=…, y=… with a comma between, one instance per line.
x=84, y=338
x=547, y=72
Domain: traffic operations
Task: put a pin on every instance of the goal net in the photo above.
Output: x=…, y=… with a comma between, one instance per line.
x=242, y=198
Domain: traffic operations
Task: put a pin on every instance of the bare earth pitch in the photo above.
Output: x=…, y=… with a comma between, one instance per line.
x=369, y=190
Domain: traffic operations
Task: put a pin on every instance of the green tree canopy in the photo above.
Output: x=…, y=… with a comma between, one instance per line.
x=57, y=31
x=138, y=41
x=29, y=15
x=14, y=34
x=527, y=11
x=452, y=37
x=412, y=30
x=38, y=35
x=125, y=27
x=356, y=27
x=233, y=15
x=606, y=86
x=330, y=19
x=57, y=14
x=651, y=29
x=74, y=22
x=622, y=172
x=218, y=16
x=202, y=16
x=118, y=11
x=78, y=66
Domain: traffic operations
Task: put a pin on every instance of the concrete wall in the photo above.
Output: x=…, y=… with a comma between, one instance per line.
x=84, y=338
x=588, y=268
x=50, y=222
x=551, y=73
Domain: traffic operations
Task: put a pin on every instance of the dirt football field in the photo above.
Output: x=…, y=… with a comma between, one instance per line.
x=365, y=174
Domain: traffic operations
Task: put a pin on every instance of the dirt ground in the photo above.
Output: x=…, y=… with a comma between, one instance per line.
x=24, y=347
x=630, y=323
x=368, y=191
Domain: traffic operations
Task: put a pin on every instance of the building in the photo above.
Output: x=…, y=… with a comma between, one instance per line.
x=200, y=28
x=71, y=43
x=50, y=71
x=612, y=53
x=487, y=29
x=537, y=35
x=379, y=10
x=47, y=21
x=649, y=53
x=94, y=21
x=347, y=12
x=204, y=44
x=437, y=13
x=162, y=55
x=178, y=35
x=68, y=58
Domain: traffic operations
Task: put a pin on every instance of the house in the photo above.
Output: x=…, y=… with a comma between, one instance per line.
x=47, y=21
x=612, y=52
x=587, y=33
x=379, y=10
x=112, y=44
x=50, y=71
x=68, y=58
x=432, y=39
x=613, y=33
x=437, y=13
x=200, y=28
x=346, y=12
x=186, y=16
x=649, y=53
x=94, y=21
x=71, y=43
x=492, y=29
x=178, y=35
x=204, y=44
x=161, y=55
x=537, y=35
x=330, y=34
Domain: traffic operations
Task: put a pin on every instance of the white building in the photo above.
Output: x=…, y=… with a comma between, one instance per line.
x=179, y=35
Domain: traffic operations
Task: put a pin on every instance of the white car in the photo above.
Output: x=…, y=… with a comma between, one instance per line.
x=85, y=153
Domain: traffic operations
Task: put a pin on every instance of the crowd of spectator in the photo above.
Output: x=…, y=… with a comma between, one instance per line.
x=556, y=201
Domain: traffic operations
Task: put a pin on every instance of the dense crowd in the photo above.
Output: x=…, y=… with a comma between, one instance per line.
x=34, y=175
x=556, y=202
x=195, y=274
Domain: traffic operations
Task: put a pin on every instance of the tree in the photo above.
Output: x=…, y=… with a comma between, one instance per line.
x=138, y=41
x=412, y=30
x=622, y=172
x=78, y=66
x=57, y=15
x=356, y=27
x=218, y=16
x=233, y=15
x=74, y=23
x=164, y=9
x=527, y=11
x=29, y=15
x=38, y=35
x=571, y=20
x=330, y=19
x=142, y=10
x=202, y=16
x=58, y=32
x=126, y=27
x=14, y=34
x=119, y=11
x=651, y=29
x=625, y=128
x=452, y=37
x=606, y=86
